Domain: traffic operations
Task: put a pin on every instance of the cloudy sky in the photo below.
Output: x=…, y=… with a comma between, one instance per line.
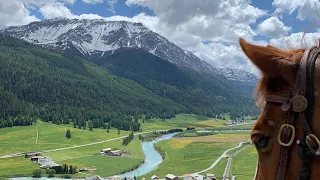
x=208, y=28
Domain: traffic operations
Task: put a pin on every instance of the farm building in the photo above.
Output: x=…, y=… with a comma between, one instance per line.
x=210, y=177
x=46, y=162
x=154, y=177
x=193, y=177
x=109, y=152
x=33, y=154
x=95, y=177
x=35, y=158
x=187, y=177
x=116, y=153
x=171, y=177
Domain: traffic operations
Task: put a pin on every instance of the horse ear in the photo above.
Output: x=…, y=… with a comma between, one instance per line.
x=269, y=59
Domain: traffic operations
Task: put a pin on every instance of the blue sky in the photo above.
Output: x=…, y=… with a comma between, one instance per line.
x=208, y=28
x=122, y=9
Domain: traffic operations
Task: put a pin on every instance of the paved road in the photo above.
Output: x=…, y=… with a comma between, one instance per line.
x=229, y=164
x=72, y=147
x=223, y=155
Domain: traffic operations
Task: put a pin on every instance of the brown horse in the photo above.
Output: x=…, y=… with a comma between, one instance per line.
x=298, y=155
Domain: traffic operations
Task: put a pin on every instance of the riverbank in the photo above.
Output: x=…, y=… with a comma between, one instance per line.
x=152, y=157
x=187, y=155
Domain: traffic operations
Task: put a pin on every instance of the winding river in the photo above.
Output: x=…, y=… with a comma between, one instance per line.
x=152, y=157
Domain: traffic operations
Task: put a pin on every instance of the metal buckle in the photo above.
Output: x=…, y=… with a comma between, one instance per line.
x=292, y=135
x=309, y=137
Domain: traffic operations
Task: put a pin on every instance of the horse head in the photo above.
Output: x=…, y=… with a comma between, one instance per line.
x=284, y=150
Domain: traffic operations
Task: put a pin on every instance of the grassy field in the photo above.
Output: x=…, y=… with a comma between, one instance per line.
x=23, y=139
x=82, y=157
x=181, y=154
x=244, y=164
x=188, y=156
x=22, y=167
x=51, y=136
x=181, y=121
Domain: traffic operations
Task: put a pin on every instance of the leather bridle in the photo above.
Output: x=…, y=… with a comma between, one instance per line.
x=298, y=104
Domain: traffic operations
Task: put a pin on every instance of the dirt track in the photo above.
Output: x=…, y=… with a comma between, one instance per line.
x=211, y=139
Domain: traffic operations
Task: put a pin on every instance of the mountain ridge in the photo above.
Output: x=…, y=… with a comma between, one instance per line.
x=98, y=38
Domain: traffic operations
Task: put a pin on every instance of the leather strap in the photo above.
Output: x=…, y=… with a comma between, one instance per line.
x=302, y=91
x=298, y=87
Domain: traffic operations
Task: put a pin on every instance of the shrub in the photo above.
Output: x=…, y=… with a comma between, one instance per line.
x=37, y=173
x=51, y=172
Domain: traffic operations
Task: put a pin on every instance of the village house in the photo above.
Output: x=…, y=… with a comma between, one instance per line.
x=29, y=155
x=210, y=177
x=46, y=162
x=35, y=158
x=171, y=177
x=193, y=177
x=94, y=177
x=154, y=177
x=116, y=153
x=188, y=177
x=109, y=152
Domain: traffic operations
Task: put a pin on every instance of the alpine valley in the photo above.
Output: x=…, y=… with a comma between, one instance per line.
x=71, y=70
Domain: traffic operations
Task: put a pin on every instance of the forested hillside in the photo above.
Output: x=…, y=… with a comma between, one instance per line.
x=67, y=89
x=201, y=93
x=36, y=82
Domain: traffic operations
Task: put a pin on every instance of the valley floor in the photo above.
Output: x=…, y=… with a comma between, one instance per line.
x=182, y=155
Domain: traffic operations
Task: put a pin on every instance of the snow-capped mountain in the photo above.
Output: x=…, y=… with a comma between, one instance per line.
x=98, y=38
x=238, y=75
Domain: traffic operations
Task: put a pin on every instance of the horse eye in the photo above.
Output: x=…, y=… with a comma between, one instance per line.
x=262, y=142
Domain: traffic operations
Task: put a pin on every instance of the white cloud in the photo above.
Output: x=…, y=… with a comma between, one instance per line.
x=69, y=1
x=217, y=20
x=296, y=40
x=273, y=27
x=54, y=10
x=112, y=4
x=13, y=12
x=93, y=1
x=306, y=9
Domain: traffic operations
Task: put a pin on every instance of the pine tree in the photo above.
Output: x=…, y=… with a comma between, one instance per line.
x=90, y=125
x=74, y=123
x=68, y=134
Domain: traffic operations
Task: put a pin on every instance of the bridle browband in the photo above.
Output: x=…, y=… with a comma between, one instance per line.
x=298, y=104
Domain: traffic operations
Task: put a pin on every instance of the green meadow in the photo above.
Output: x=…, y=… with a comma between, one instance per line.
x=244, y=164
x=181, y=156
x=84, y=157
x=187, y=156
x=181, y=121
x=23, y=139
x=17, y=166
